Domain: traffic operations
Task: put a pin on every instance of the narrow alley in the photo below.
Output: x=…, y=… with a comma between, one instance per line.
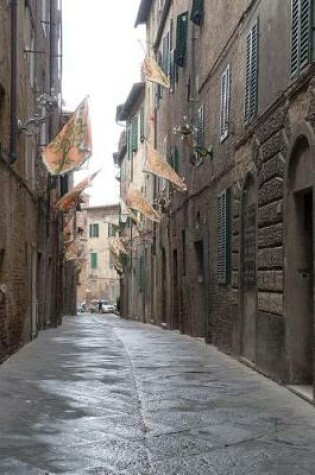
x=101, y=395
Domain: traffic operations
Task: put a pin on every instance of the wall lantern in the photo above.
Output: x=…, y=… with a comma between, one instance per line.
x=45, y=104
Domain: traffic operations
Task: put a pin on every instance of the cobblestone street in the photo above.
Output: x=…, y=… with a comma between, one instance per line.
x=104, y=396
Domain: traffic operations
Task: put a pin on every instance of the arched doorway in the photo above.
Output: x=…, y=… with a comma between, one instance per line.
x=299, y=279
x=163, y=306
x=248, y=269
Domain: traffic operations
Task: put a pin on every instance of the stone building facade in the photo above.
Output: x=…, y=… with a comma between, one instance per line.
x=31, y=263
x=233, y=258
x=138, y=275
x=98, y=279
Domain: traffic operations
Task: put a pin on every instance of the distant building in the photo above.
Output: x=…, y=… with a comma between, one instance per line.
x=98, y=278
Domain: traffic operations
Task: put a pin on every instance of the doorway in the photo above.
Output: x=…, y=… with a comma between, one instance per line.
x=300, y=268
x=175, y=322
x=163, y=315
x=248, y=270
x=200, y=291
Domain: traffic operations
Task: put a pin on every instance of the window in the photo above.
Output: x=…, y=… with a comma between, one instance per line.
x=224, y=236
x=93, y=260
x=300, y=35
x=112, y=228
x=161, y=4
x=181, y=39
x=251, y=85
x=174, y=162
x=142, y=124
x=129, y=150
x=225, y=103
x=29, y=36
x=196, y=13
x=159, y=88
x=166, y=54
x=94, y=230
x=200, y=127
x=134, y=134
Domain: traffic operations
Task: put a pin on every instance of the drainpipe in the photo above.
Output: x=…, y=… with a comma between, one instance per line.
x=13, y=116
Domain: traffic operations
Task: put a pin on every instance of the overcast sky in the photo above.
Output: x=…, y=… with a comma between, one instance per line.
x=101, y=58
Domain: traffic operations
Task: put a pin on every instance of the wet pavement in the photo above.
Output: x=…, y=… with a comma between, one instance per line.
x=101, y=395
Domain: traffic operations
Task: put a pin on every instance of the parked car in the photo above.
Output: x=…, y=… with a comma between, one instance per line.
x=107, y=307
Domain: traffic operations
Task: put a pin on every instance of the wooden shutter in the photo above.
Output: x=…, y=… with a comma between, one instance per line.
x=301, y=24
x=93, y=260
x=129, y=149
x=254, y=72
x=173, y=70
x=176, y=160
x=224, y=236
x=295, y=9
x=181, y=39
x=166, y=54
x=134, y=134
x=196, y=13
x=142, y=124
x=305, y=48
x=200, y=127
x=158, y=86
x=225, y=103
x=251, y=74
x=96, y=230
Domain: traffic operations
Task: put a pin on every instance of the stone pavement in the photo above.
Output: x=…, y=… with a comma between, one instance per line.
x=101, y=395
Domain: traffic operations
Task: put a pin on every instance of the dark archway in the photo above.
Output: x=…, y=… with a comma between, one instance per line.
x=299, y=287
x=248, y=269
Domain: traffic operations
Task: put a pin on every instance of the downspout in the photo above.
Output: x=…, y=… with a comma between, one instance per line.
x=13, y=104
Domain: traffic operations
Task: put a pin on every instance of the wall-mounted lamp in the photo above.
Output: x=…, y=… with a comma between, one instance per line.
x=46, y=104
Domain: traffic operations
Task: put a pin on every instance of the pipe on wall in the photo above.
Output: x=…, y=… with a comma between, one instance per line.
x=13, y=95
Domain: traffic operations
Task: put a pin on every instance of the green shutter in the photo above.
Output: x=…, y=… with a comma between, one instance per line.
x=224, y=236
x=129, y=149
x=295, y=8
x=94, y=230
x=200, y=127
x=173, y=70
x=174, y=159
x=142, y=123
x=301, y=34
x=181, y=39
x=305, y=48
x=254, y=72
x=196, y=13
x=251, y=74
x=159, y=88
x=93, y=260
x=134, y=134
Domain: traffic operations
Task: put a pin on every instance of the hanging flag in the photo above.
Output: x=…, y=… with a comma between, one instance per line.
x=135, y=200
x=127, y=212
x=116, y=246
x=72, y=198
x=73, y=144
x=154, y=73
x=71, y=251
x=68, y=231
x=157, y=166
